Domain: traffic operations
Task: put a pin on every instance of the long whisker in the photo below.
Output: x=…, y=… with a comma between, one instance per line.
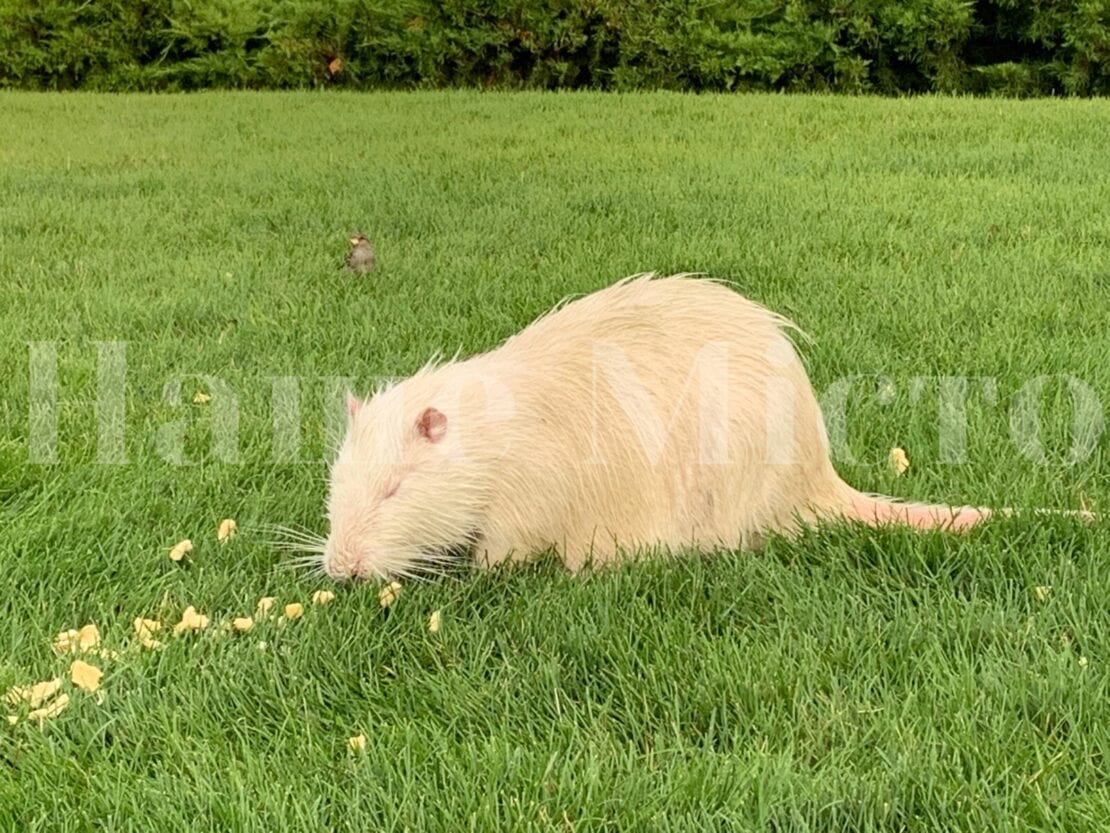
x=295, y=536
x=302, y=561
x=309, y=565
x=296, y=546
x=280, y=529
x=298, y=564
x=313, y=546
x=293, y=528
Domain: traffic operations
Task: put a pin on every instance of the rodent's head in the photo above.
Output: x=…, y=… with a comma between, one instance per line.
x=399, y=497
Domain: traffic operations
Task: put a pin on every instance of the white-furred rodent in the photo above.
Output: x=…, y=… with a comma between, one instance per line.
x=657, y=412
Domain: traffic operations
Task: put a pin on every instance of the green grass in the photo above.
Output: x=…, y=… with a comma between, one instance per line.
x=847, y=681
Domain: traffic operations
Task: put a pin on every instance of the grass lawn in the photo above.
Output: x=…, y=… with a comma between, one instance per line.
x=851, y=680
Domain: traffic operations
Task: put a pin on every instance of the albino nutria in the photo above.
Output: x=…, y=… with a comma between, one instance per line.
x=664, y=412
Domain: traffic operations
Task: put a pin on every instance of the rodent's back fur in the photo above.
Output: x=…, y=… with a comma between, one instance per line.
x=665, y=412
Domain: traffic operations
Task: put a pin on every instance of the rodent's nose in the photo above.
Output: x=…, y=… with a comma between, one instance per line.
x=347, y=560
x=335, y=571
x=337, y=565
x=361, y=570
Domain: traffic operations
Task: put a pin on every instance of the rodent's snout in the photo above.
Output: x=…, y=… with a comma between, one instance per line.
x=343, y=564
x=334, y=571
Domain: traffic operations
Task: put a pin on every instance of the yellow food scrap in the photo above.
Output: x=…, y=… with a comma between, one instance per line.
x=1043, y=591
x=34, y=694
x=145, y=628
x=1083, y=662
x=357, y=743
x=88, y=637
x=264, y=604
x=227, y=529
x=242, y=623
x=66, y=642
x=294, y=610
x=51, y=709
x=180, y=549
x=84, y=675
x=201, y=398
x=190, y=621
x=434, y=622
x=388, y=594
x=322, y=597
x=150, y=643
x=71, y=640
x=899, y=462
x=13, y=719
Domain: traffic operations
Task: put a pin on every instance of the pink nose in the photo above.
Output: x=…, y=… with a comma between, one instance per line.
x=342, y=565
x=335, y=570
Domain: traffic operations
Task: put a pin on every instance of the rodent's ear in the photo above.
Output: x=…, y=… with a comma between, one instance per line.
x=353, y=404
x=432, y=425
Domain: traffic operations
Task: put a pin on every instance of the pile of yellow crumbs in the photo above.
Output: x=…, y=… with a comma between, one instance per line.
x=48, y=699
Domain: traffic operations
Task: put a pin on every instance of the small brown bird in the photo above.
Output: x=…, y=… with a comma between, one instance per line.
x=361, y=258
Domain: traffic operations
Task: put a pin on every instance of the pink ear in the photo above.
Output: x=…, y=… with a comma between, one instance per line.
x=432, y=425
x=353, y=404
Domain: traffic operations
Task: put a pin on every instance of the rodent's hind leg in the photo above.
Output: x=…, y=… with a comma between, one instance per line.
x=491, y=550
x=597, y=550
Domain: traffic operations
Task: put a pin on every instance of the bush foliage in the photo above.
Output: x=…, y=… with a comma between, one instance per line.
x=1008, y=47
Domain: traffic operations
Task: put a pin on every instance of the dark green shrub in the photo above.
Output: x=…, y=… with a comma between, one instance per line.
x=1007, y=47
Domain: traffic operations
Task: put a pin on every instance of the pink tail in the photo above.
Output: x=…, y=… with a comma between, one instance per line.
x=876, y=510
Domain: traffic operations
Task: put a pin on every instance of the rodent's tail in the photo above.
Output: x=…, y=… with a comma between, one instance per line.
x=878, y=510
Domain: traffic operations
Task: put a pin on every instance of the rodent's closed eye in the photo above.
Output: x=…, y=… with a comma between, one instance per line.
x=391, y=490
